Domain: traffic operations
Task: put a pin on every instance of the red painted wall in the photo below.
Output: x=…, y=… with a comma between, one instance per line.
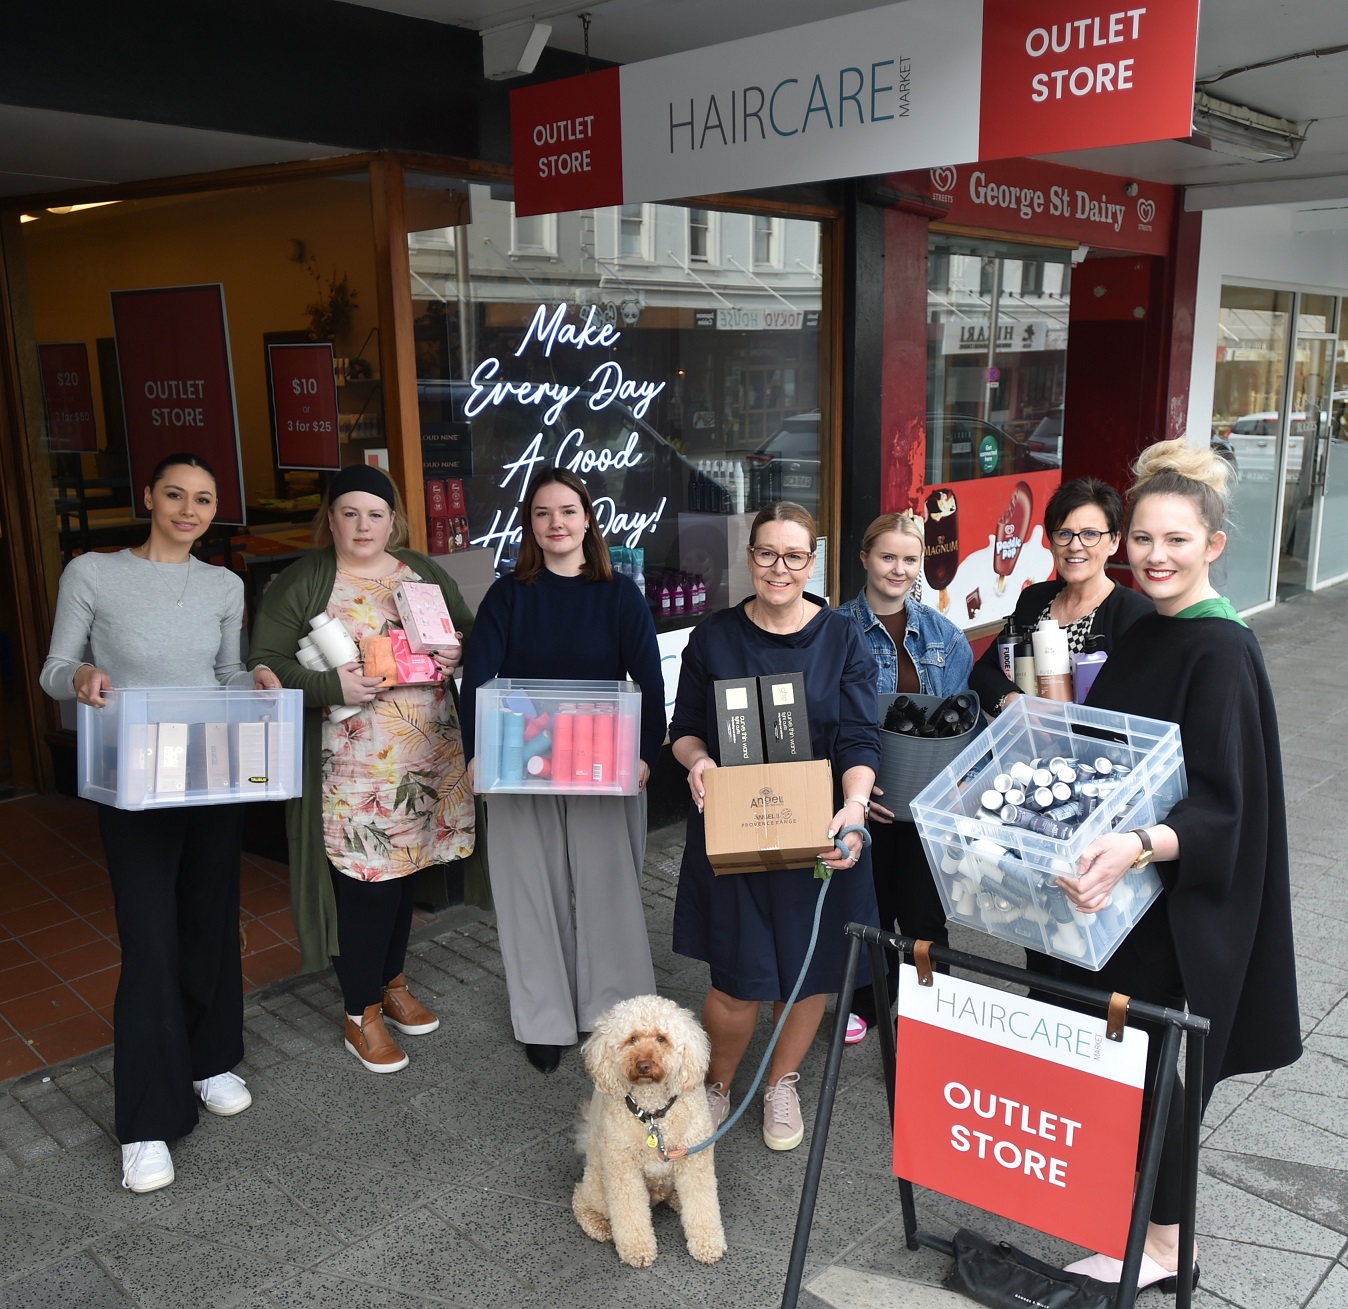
x=904, y=400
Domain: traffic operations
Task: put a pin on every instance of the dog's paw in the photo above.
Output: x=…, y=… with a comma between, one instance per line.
x=640, y=1254
x=595, y=1226
x=707, y=1252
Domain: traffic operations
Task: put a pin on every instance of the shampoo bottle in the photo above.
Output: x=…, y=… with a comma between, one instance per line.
x=1052, y=663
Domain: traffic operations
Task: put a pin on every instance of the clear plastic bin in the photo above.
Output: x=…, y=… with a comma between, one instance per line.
x=163, y=746
x=537, y=737
x=1002, y=879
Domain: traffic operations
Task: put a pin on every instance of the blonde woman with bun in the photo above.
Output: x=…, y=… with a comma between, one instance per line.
x=1219, y=938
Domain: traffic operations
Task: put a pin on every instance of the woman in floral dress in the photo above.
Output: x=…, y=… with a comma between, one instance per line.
x=385, y=793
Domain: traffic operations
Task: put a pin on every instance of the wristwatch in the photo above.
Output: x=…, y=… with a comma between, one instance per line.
x=863, y=802
x=1147, y=852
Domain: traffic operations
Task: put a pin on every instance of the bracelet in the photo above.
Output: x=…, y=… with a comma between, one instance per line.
x=863, y=801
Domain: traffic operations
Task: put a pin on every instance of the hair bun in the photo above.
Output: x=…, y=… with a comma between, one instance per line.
x=1194, y=463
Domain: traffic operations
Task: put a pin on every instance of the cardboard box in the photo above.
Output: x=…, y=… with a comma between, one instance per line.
x=786, y=724
x=768, y=816
x=425, y=619
x=738, y=725
x=208, y=757
x=170, y=777
x=248, y=745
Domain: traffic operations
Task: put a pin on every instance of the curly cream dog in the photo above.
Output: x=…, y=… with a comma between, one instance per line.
x=648, y=1060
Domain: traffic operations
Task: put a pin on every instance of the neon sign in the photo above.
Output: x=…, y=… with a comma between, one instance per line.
x=606, y=384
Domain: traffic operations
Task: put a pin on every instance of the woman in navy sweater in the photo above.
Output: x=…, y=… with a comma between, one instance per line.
x=567, y=868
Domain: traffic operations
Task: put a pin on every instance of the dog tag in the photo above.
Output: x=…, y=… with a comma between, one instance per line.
x=653, y=1140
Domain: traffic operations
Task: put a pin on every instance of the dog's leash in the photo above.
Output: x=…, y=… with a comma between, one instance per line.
x=825, y=875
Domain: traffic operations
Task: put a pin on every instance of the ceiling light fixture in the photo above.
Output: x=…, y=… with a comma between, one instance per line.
x=1233, y=129
x=74, y=209
x=513, y=49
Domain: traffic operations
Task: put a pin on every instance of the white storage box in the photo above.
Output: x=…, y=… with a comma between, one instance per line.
x=163, y=746
x=1002, y=879
x=538, y=737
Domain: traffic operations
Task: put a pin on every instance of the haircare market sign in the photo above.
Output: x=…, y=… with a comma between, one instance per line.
x=914, y=85
x=1021, y=1108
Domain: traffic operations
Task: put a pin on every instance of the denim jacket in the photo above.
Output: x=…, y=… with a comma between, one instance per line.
x=939, y=650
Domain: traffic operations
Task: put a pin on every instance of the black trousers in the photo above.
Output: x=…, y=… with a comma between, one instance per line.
x=178, y=1015
x=374, y=920
x=905, y=891
x=1146, y=968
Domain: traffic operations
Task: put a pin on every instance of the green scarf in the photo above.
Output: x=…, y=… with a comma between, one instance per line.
x=1218, y=607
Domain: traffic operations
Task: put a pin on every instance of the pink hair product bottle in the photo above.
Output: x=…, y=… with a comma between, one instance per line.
x=534, y=726
x=604, y=769
x=563, y=723
x=626, y=750
x=538, y=766
x=582, y=747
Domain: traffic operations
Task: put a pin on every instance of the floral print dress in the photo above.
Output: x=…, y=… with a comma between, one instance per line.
x=395, y=793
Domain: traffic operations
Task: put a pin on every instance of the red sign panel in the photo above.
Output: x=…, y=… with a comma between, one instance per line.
x=1021, y=1108
x=567, y=142
x=178, y=385
x=1032, y=198
x=69, y=397
x=304, y=405
x=1084, y=74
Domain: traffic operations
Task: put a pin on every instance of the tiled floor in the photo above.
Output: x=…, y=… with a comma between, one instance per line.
x=59, y=957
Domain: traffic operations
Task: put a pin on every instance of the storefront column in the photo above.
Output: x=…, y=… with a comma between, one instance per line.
x=904, y=415
x=397, y=352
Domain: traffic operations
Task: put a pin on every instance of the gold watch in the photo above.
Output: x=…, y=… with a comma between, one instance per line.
x=1148, y=854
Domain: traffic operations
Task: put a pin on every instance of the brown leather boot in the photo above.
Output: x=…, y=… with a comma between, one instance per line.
x=371, y=1043
x=404, y=1011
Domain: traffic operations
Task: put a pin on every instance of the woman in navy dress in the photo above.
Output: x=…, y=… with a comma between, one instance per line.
x=753, y=929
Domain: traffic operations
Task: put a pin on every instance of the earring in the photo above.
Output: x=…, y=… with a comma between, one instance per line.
x=916, y=592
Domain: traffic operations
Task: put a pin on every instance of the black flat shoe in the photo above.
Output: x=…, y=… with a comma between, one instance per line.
x=544, y=1057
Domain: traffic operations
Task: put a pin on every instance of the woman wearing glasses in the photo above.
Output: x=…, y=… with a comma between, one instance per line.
x=753, y=930
x=1083, y=519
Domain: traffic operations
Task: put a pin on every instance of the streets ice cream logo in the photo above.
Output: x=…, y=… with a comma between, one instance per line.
x=1146, y=212
x=943, y=181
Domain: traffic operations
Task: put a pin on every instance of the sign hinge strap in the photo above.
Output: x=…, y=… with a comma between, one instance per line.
x=1118, y=1016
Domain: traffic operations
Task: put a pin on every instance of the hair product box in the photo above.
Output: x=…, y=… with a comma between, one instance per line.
x=764, y=817
x=425, y=618
x=786, y=723
x=132, y=752
x=739, y=727
x=557, y=737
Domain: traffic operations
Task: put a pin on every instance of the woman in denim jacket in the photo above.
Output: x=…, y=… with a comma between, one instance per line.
x=917, y=650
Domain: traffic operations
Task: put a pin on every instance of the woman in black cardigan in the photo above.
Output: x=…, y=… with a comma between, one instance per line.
x=1083, y=519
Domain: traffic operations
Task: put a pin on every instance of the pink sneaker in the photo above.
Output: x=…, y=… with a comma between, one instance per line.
x=719, y=1104
x=856, y=1030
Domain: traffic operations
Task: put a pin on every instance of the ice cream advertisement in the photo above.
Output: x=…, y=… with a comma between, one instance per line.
x=985, y=544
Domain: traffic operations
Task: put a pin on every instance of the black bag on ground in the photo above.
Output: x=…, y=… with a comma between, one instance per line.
x=1002, y=1277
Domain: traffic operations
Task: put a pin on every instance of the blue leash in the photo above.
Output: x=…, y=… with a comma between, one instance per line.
x=825, y=876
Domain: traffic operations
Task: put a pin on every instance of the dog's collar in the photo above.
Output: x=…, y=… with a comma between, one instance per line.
x=648, y=1116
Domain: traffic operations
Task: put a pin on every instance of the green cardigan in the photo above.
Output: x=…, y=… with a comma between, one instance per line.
x=295, y=596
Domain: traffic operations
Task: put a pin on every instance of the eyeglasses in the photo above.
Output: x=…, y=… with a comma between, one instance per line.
x=1087, y=538
x=795, y=560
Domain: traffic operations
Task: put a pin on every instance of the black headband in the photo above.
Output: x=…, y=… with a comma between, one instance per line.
x=361, y=477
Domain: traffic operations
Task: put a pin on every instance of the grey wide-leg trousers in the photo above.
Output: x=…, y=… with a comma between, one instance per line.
x=566, y=878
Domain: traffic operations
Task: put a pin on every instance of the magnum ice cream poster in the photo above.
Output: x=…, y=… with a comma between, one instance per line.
x=985, y=544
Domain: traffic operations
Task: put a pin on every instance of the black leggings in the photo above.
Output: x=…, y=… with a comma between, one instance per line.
x=178, y=1015
x=374, y=920
x=905, y=890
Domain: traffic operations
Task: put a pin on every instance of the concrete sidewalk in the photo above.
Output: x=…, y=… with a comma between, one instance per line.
x=450, y=1183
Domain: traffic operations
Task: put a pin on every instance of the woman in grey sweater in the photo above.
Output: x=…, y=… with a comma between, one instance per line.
x=155, y=616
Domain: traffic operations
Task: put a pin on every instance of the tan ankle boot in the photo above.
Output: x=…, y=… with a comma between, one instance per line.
x=404, y=1011
x=371, y=1043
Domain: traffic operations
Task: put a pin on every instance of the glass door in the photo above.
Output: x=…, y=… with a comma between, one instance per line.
x=1330, y=560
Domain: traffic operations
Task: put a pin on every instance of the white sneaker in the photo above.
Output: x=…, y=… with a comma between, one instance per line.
x=146, y=1166
x=783, y=1128
x=719, y=1104
x=224, y=1094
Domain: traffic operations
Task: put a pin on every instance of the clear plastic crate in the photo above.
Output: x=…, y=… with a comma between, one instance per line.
x=163, y=746
x=1002, y=879
x=537, y=737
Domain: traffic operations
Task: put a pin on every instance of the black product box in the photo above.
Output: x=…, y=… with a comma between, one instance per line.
x=786, y=724
x=738, y=726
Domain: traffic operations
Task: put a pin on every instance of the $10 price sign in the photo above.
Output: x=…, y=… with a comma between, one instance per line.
x=1021, y=1108
x=304, y=405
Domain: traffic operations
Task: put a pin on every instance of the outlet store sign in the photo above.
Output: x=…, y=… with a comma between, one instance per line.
x=919, y=84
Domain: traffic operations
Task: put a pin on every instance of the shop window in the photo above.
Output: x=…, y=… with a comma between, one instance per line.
x=700, y=236
x=684, y=407
x=535, y=235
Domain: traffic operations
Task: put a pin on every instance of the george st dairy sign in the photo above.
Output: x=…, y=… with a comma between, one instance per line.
x=921, y=84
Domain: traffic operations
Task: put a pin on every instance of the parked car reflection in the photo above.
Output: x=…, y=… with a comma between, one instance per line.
x=786, y=465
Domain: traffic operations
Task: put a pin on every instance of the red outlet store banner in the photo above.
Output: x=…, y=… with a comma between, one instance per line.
x=68, y=396
x=178, y=386
x=919, y=84
x=1021, y=1108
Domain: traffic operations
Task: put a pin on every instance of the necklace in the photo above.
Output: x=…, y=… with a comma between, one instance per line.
x=186, y=579
x=779, y=631
x=1089, y=608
